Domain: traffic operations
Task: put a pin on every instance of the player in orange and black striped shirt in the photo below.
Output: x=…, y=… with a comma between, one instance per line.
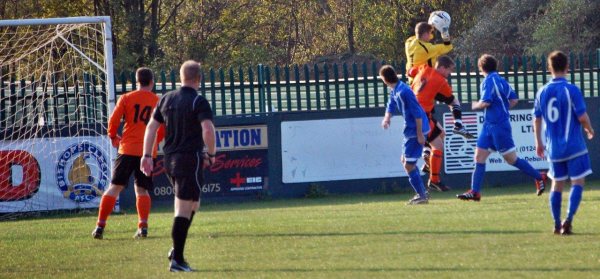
x=430, y=85
x=135, y=108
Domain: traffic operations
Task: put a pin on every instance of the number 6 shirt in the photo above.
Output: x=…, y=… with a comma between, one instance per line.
x=560, y=104
x=136, y=107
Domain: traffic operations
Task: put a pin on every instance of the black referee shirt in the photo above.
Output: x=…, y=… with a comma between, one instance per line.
x=182, y=111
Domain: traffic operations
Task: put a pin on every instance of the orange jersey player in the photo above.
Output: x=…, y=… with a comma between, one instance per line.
x=431, y=85
x=136, y=108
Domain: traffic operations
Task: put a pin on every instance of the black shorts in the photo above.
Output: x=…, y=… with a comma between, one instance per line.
x=124, y=166
x=184, y=171
x=434, y=127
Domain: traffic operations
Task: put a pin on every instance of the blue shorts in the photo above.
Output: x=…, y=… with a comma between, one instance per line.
x=496, y=137
x=412, y=150
x=576, y=168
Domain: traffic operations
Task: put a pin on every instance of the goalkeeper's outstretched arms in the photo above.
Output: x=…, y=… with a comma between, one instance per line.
x=441, y=20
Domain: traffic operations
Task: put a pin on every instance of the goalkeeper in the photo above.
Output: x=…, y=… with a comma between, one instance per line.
x=419, y=50
x=430, y=85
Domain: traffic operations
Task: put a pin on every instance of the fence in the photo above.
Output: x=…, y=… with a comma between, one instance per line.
x=263, y=89
x=56, y=100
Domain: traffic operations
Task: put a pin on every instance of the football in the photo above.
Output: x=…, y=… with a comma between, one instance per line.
x=440, y=20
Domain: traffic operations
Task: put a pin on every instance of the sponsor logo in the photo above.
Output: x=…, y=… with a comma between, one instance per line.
x=222, y=162
x=240, y=138
x=20, y=175
x=238, y=181
x=82, y=172
x=460, y=151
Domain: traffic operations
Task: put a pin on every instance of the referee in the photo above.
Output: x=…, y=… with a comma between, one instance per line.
x=189, y=128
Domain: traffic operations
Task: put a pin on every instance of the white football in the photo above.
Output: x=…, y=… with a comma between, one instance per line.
x=440, y=20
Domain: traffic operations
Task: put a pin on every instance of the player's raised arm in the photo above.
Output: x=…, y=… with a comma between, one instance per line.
x=440, y=49
x=441, y=21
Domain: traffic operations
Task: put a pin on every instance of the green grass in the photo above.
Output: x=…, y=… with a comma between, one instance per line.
x=506, y=235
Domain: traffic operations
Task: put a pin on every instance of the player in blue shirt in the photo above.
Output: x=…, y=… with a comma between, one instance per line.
x=496, y=133
x=416, y=126
x=560, y=106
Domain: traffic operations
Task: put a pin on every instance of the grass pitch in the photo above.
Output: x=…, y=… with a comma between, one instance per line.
x=508, y=234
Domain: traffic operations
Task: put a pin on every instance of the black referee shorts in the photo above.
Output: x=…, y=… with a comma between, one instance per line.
x=184, y=171
x=124, y=166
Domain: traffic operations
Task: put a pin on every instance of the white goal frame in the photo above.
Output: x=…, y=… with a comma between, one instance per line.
x=108, y=61
x=67, y=144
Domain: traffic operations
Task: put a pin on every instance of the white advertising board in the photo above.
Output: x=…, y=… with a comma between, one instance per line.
x=341, y=149
x=54, y=173
x=459, y=152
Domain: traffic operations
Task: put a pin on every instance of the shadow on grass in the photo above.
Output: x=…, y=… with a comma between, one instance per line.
x=525, y=192
x=489, y=193
x=338, y=234
x=118, y=238
x=459, y=269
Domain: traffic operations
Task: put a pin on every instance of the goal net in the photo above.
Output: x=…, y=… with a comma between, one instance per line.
x=56, y=93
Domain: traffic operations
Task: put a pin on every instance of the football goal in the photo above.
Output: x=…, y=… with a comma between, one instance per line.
x=56, y=94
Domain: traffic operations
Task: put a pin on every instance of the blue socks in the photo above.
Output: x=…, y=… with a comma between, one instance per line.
x=527, y=169
x=555, y=204
x=477, y=178
x=414, y=177
x=574, y=200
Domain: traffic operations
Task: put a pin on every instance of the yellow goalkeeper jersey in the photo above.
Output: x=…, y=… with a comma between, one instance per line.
x=420, y=52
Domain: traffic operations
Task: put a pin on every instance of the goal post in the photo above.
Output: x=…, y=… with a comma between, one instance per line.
x=57, y=91
x=105, y=20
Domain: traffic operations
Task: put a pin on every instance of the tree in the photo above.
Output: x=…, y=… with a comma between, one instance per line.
x=221, y=33
x=569, y=25
x=496, y=29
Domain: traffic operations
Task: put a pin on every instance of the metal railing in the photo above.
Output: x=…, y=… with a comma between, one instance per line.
x=264, y=89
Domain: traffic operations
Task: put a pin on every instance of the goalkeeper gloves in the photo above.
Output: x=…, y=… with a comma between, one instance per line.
x=445, y=35
x=441, y=20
